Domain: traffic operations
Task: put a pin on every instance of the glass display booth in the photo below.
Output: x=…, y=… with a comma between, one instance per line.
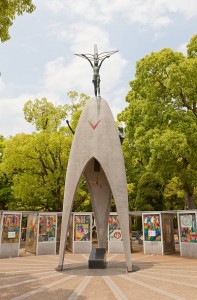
x=31, y=233
x=46, y=234
x=10, y=232
x=115, y=243
x=158, y=233
x=80, y=233
x=188, y=233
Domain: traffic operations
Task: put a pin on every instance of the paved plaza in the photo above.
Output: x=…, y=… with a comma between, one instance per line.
x=154, y=277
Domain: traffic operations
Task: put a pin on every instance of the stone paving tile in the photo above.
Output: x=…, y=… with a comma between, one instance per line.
x=60, y=291
x=137, y=292
x=153, y=277
x=98, y=289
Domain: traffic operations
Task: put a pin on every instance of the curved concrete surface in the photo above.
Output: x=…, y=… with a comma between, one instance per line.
x=96, y=138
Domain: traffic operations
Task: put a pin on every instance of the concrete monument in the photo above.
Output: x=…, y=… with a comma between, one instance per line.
x=96, y=153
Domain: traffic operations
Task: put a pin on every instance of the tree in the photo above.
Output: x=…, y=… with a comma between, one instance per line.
x=5, y=182
x=37, y=162
x=192, y=47
x=174, y=195
x=150, y=193
x=161, y=118
x=8, y=11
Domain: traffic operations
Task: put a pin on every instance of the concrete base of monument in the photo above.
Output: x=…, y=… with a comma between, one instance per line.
x=59, y=268
x=129, y=269
x=97, y=258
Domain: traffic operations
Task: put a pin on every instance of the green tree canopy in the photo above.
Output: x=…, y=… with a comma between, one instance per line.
x=150, y=192
x=8, y=11
x=37, y=162
x=192, y=47
x=161, y=118
x=5, y=182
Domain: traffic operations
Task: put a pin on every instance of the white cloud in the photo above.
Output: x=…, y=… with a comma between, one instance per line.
x=111, y=72
x=77, y=74
x=2, y=84
x=60, y=76
x=150, y=12
x=116, y=101
x=187, y=8
x=55, y=5
x=12, y=117
x=87, y=9
x=183, y=48
x=82, y=36
x=161, y=22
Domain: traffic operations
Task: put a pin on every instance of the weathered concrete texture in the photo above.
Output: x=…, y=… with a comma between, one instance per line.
x=101, y=195
x=46, y=248
x=189, y=249
x=115, y=247
x=96, y=137
x=153, y=247
x=9, y=250
x=82, y=247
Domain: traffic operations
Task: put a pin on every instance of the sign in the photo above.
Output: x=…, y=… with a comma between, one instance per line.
x=116, y=235
x=152, y=230
x=11, y=235
x=82, y=232
x=186, y=221
x=152, y=233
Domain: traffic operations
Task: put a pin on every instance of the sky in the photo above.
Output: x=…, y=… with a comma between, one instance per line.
x=38, y=61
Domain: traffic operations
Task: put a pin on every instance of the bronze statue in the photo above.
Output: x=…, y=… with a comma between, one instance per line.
x=97, y=60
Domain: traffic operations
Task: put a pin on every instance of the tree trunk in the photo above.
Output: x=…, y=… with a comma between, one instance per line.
x=57, y=199
x=189, y=197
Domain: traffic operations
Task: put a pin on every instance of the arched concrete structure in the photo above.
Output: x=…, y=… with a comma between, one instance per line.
x=101, y=196
x=96, y=141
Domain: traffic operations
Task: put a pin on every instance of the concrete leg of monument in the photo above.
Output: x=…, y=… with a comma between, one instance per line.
x=129, y=269
x=59, y=268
